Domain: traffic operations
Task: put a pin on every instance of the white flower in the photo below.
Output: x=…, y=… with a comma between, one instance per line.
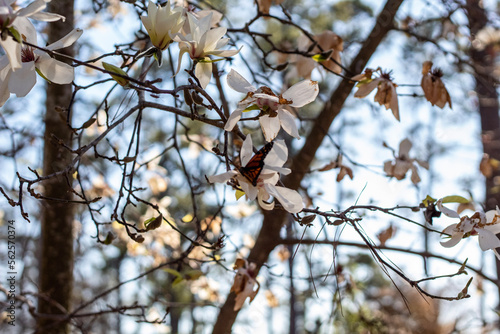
x=202, y=42
x=8, y=20
x=386, y=89
x=22, y=81
x=265, y=187
x=403, y=163
x=273, y=107
x=484, y=225
x=162, y=23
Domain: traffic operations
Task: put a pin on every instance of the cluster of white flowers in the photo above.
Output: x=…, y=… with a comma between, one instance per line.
x=483, y=224
x=272, y=117
x=195, y=33
x=20, y=63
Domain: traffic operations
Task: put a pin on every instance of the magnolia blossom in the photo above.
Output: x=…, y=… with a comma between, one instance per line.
x=8, y=18
x=202, y=42
x=22, y=81
x=386, y=89
x=434, y=89
x=484, y=225
x=403, y=163
x=244, y=282
x=265, y=187
x=162, y=23
x=275, y=116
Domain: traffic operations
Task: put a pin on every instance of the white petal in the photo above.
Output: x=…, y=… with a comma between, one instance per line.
x=13, y=51
x=302, y=93
x=262, y=197
x=221, y=178
x=456, y=236
x=47, y=17
x=34, y=7
x=233, y=119
x=288, y=123
x=246, y=150
x=5, y=72
x=447, y=212
x=56, y=71
x=22, y=81
x=289, y=199
x=270, y=126
x=238, y=83
x=203, y=72
x=487, y=240
x=67, y=40
x=248, y=188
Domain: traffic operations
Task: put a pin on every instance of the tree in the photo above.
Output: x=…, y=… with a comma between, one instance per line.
x=155, y=166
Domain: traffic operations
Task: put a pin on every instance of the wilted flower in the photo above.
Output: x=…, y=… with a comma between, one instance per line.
x=434, y=90
x=22, y=81
x=484, y=225
x=386, y=89
x=162, y=23
x=265, y=186
x=265, y=5
x=403, y=163
x=331, y=44
x=8, y=18
x=202, y=42
x=274, y=115
x=244, y=282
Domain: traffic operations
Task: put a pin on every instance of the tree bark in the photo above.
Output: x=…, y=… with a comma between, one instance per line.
x=269, y=236
x=483, y=62
x=56, y=244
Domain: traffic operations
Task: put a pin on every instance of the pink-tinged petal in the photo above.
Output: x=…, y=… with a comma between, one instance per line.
x=221, y=178
x=246, y=152
x=302, y=93
x=238, y=83
x=270, y=126
x=288, y=123
x=67, y=40
x=447, y=212
x=268, y=176
x=22, y=81
x=487, y=240
x=56, y=71
x=266, y=97
x=203, y=72
x=233, y=119
x=365, y=89
x=289, y=199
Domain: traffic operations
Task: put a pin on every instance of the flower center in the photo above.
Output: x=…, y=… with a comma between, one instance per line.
x=28, y=55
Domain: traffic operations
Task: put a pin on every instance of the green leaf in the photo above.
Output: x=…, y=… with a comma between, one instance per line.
x=41, y=74
x=455, y=199
x=115, y=69
x=322, y=56
x=252, y=107
x=109, y=238
x=428, y=200
x=173, y=272
x=193, y=274
x=15, y=34
x=363, y=82
x=239, y=193
x=158, y=56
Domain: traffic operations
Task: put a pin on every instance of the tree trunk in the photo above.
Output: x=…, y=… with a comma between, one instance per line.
x=269, y=236
x=56, y=244
x=483, y=62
